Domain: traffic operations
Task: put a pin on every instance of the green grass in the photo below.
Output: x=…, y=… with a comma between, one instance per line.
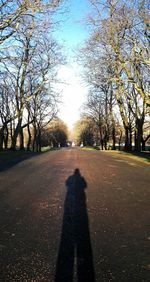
x=9, y=155
x=142, y=156
x=48, y=148
x=90, y=148
x=45, y=149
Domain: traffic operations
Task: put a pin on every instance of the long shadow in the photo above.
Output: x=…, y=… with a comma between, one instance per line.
x=142, y=155
x=75, y=252
x=12, y=158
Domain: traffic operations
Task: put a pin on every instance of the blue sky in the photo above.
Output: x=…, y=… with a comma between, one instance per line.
x=72, y=34
x=72, y=30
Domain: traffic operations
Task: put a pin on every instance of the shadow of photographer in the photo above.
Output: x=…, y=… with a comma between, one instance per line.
x=75, y=245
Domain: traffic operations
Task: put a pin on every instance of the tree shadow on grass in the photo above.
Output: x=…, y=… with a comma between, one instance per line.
x=10, y=158
x=142, y=155
x=75, y=251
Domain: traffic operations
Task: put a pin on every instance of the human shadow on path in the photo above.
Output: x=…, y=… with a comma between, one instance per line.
x=75, y=245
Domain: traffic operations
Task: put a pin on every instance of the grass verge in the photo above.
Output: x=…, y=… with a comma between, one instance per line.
x=89, y=148
x=142, y=156
x=8, y=155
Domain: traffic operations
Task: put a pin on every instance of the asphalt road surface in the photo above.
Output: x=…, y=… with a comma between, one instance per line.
x=75, y=216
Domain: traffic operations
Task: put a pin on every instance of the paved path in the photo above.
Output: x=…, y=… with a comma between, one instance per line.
x=92, y=225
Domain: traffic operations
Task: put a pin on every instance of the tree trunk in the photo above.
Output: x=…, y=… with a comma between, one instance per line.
x=1, y=138
x=6, y=135
x=120, y=138
x=34, y=137
x=16, y=133
x=102, y=144
x=144, y=142
x=139, y=134
x=11, y=131
x=21, y=139
x=127, y=143
x=114, y=138
x=101, y=138
x=105, y=140
x=37, y=143
x=29, y=138
x=130, y=137
x=39, y=140
x=143, y=145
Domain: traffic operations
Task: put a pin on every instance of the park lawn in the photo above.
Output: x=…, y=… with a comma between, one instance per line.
x=143, y=157
x=10, y=155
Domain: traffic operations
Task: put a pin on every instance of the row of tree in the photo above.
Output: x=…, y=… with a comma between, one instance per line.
x=55, y=134
x=29, y=59
x=87, y=133
x=116, y=59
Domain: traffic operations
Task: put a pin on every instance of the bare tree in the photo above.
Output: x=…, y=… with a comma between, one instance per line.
x=13, y=11
x=85, y=132
x=55, y=134
x=119, y=39
x=30, y=64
